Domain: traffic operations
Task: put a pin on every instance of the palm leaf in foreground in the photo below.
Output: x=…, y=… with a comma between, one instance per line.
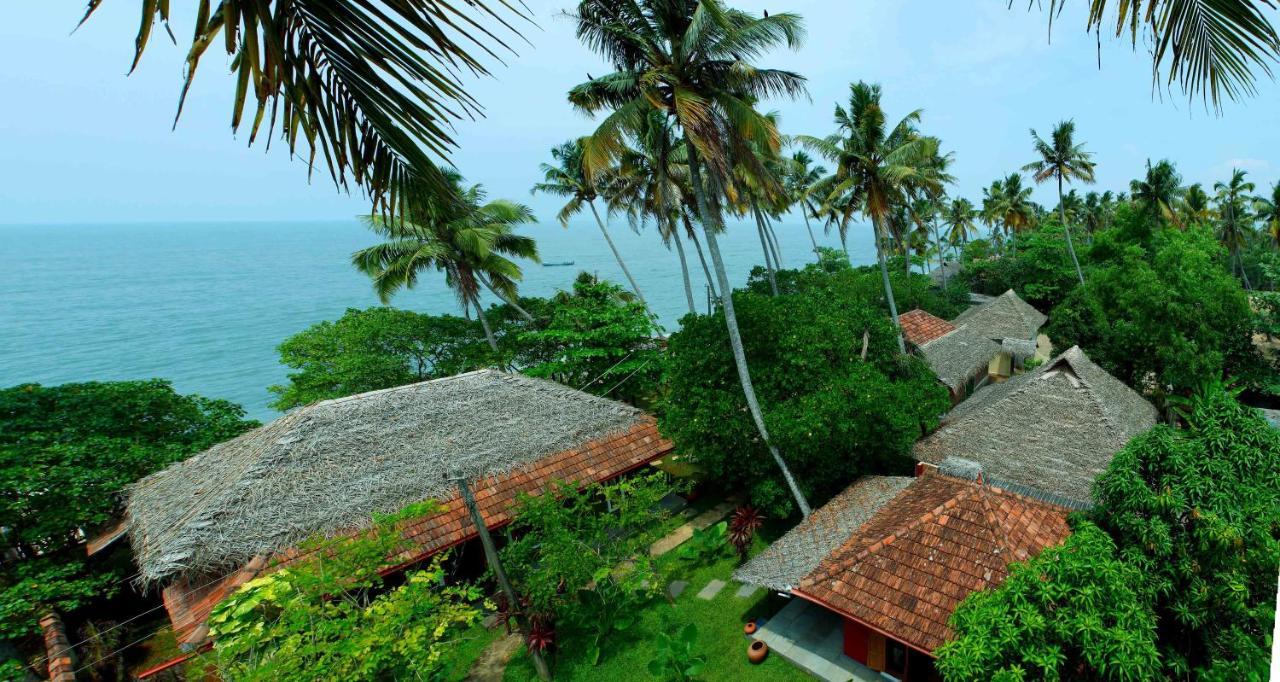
x=372, y=87
x=1211, y=48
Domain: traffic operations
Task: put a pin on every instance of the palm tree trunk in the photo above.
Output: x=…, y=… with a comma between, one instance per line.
x=804, y=211
x=605, y=231
x=942, y=263
x=731, y=323
x=697, y=246
x=684, y=269
x=1062, y=217
x=495, y=565
x=888, y=288
x=484, y=322
x=773, y=242
x=505, y=299
x=764, y=245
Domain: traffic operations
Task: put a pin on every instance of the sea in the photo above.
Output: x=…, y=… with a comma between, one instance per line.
x=205, y=305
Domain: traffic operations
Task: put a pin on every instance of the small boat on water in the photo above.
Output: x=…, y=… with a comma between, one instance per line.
x=557, y=265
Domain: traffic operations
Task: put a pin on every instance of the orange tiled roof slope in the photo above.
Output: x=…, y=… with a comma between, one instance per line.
x=919, y=327
x=908, y=567
x=190, y=601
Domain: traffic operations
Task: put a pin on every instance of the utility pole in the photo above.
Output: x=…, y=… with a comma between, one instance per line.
x=495, y=565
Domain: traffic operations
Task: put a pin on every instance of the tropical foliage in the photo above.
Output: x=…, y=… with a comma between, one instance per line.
x=369, y=88
x=333, y=616
x=1074, y=612
x=1197, y=512
x=838, y=411
x=66, y=454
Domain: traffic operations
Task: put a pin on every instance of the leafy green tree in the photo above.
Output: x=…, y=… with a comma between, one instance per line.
x=567, y=549
x=334, y=616
x=1041, y=271
x=1197, y=512
x=376, y=348
x=837, y=414
x=1064, y=161
x=470, y=240
x=877, y=166
x=1073, y=612
x=1162, y=318
x=1268, y=211
x=66, y=454
x=599, y=339
x=688, y=60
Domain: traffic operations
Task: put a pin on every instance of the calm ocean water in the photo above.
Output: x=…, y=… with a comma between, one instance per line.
x=205, y=304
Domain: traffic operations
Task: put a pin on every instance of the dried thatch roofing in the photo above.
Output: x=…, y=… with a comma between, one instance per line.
x=1053, y=429
x=327, y=467
x=959, y=355
x=1004, y=317
x=794, y=555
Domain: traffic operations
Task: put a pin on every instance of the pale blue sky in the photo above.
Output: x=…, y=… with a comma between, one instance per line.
x=81, y=142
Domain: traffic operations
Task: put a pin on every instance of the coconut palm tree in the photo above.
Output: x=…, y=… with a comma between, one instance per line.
x=1268, y=212
x=471, y=241
x=649, y=185
x=800, y=179
x=568, y=178
x=370, y=87
x=1009, y=203
x=689, y=60
x=1193, y=206
x=992, y=212
x=877, y=165
x=959, y=218
x=1235, y=219
x=1062, y=160
x=1156, y=192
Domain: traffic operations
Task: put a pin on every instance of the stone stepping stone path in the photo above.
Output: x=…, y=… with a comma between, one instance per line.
x=746, y=591
x=711, y=590
x=676, y=588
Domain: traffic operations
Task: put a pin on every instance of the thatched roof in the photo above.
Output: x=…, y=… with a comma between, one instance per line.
x=959, y=355
x=327, y=467
x=781, y=566
x=1053, y=429
x=1004, y=317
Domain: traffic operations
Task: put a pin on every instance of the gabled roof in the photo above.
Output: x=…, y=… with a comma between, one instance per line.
x=959, y=355
x=1053, y=429
x=1004, y=317
x=326, y=468
x=781, y=566
x=905, y=570
x=919, y=327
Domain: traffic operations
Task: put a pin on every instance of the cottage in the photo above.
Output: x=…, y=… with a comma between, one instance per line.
x=1053, y=429
x=204, y=526
x=877, y=572
x=958, y=356
x=1011, y=322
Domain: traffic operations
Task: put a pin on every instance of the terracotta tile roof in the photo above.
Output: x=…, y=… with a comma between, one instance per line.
x=908, y=567
x=794, y=555
x=190, y=601
x=919, y=327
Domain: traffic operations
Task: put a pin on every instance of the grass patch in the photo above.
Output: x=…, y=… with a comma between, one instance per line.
x=720, y=638
x=466, y=648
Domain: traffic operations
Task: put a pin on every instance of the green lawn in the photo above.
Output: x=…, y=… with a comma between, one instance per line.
x=720, y=636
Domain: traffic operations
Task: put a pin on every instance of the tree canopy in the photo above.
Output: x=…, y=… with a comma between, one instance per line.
x=836, y=413
x=66, y=453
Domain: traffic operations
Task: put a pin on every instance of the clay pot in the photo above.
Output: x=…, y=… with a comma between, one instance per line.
x=749, y=628
x=757, y=651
